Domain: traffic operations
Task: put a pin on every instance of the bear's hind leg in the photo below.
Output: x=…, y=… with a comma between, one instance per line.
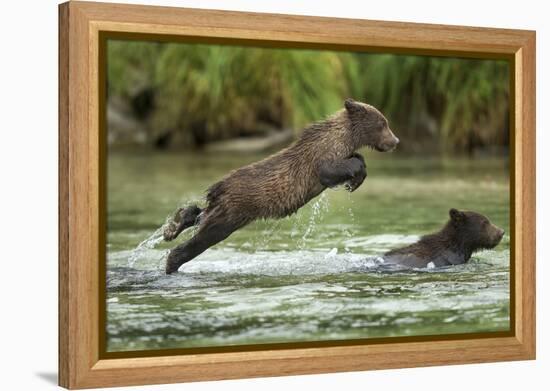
x=184, y=218
x=208, y=235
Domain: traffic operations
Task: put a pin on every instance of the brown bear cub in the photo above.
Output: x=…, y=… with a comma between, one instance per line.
x=277, y=186
x=464, y=234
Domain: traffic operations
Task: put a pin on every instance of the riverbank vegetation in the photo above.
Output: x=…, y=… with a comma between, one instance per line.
x=173, y=95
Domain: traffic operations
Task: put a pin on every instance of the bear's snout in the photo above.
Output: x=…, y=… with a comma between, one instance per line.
x=499, y=234
x=389, y=141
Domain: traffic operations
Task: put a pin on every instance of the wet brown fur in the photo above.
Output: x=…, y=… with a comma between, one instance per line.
x=280, y=184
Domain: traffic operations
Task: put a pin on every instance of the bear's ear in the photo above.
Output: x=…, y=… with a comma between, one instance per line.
x=351, y=105
x=456, y=215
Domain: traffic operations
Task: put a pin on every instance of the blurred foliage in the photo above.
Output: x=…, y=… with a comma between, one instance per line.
x=192, y=94
x=462, y=103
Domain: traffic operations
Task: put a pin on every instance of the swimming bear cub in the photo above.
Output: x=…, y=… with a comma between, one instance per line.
x=465, y=233
x=277, y=186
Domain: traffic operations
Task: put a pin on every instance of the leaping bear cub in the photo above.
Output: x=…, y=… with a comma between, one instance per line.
x=277, y=186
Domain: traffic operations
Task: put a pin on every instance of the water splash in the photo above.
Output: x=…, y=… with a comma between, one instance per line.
x=331, y=254
x=348, y=230
x=225, y=265
x=147, y=244
x=267, y=235
x=296, y=226
x=319, y=207
x=350, y=209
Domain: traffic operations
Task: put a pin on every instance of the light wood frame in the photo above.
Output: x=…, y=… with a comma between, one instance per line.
x=80, y=165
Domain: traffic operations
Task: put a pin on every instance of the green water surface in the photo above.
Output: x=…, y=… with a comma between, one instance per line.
x=312, y=276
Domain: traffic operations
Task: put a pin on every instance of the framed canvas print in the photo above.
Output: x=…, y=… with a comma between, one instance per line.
x=247, y=195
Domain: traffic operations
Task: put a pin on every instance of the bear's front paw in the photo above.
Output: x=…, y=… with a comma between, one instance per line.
x=357, y=179
x=357, y=155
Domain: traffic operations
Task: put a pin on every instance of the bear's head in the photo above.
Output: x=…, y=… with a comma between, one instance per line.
x=474, y=230
x=369, y=127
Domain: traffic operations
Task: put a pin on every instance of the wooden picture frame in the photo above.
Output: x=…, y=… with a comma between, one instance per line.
x=81, y=155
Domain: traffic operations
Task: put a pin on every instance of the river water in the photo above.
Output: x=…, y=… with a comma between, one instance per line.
x=310, y=277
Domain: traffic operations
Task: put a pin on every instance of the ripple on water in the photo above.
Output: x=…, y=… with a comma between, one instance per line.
x=233, y=297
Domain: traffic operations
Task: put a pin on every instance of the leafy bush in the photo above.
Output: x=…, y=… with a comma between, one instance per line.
x=202, y=93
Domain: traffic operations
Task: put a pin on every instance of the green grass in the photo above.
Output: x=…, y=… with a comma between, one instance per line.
x=203, y=93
